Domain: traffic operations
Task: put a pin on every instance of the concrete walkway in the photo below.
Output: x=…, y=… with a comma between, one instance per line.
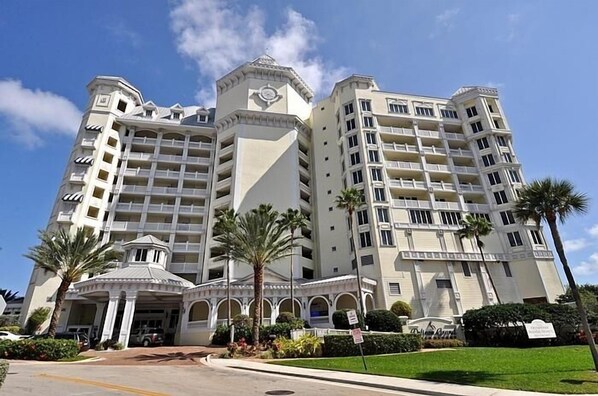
x=373, y=381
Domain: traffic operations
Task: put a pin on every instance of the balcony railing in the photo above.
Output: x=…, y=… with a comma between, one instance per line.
x=168, y=174
x=477, y=208
x=139, y=156
x=88, y=143
x=404, y=165
x=134, y=189
x=434, y=150
x=157, y=226
x=129, y=207
x=77, y=177
x=186, y=247
x=454, y=136
x=430, y=134
x=124, y=226
x=411, y=204
x=400, y=183
x=195, y=176
x=194, y=192
x=65, y=217
x=190, y=227
x=461, y=153
x=137, y=172
x=443, y=186
x=465, y=169
x=440, y=205
x=396, y=131
x=401, y=147
x=471, y=188
x=193, y=209
x=160, y=208
x=437, y=168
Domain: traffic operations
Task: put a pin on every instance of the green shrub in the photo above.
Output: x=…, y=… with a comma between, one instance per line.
x=40, y=349
x=280, y=330
x=383, y=320
x=37, y=319
x=305, y=346
x=285, y=317
x=3, y=371
x=373, y=344
x=340, y=320
x=242, y=320
x=9, y=320
x=118, y=346
x=443, y=343
x=16, y=329
x=222, y=334
x=401, y=308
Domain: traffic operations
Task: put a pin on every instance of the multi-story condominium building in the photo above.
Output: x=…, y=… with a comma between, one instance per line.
x=151, y=179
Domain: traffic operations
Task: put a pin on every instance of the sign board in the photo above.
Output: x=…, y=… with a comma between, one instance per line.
x=2, y=305
x=352, y=316
x=357, y=336
x=539, y=329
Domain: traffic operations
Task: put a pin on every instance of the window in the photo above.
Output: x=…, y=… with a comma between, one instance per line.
x=481, y=215
x=501, y=141
x=115, y=126
x=122, y=106
x=490, y=108
x=349, y=108
x=507, y=267
x=507, y=217
x=507, y=157
x=350, y=124
x=536, y=237
x=365, y=239
x=494, y=178
x=514, y=176
x=355, y=159
x=203, y=118
x=466, y=269
x=497, y=124
x=471, y=111
x=386, y=238
x=483, y=143
x=362, y=217
x=149, y=113
x=111, y=142
x=367, y=260
x=500, y=197
x=514, y=239
x=325, y=143
x=98, y=192
x=176, y=116
x=157, y=254
x=420, y=216
x=446, y=113
x=107, y=158
x=370, y=138
x=352, y=141
x=394, y=289
x=383, y=216
x=373, y=156
x=444, y=284
x=379, y=195
x=398, y=108
x=93, y=212
x=376, y=174
x=141, y=255
x=357, y=177
x=450, y=218
x=477, y=127
x=488, y=160
x=333, y=248
x=368, y=122
x=366, y=105
x=424, y=111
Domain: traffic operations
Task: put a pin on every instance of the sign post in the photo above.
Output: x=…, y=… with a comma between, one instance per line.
x=357, y=335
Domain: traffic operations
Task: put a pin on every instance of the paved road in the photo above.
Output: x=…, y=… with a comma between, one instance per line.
x=160, y=380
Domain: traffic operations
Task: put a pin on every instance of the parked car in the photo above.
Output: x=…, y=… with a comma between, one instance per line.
x=81, y=339
x=149, y=336
x=7, y=335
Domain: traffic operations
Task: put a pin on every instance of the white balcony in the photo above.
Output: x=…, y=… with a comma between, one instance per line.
x=170, y=158
x=224, y=183
x=201, y=145
x=65, y=217
x=157, y=227
x=400, y=147
x=124, y=226
x=195, y=176
x=183, y=268
x=465, y=169
x=477, y=208
x=402, y=183
x=443, y=186
x=186, y=247
x=194, y=192
x=129, y=207
x=191, y=209
x=165, y=190
x=411, y=204
x=139, y=156
x=190, y=227
x=434, y=150
x=305, y=188
x=144, y=140
x=167, y=174
x=172, y=143
x=198, y=160
x=77, y=177
x=304, y=156
x=475, y=188
x=160, y=208
x=133, y=189
x=396, y=131
x=429, y=134
x=461, y=153
x=437, y=168
x=88, y=143
x=454, y=136
x=225, y=165
x=446, y=205
x=137, y=172
x=227, y=150
x=404, y=165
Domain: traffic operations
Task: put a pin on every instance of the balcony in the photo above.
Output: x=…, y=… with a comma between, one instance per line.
x=411, y=184
x=133, y=189
x=400, y=147
x=157, y=227
x=224, y=183
x=404, y=165
x=186, y=247
x=137, y=172
x=396, y=131
x=465, y=170
x=477, y=208
x=129, y=207
x=183, y=268
x=454, y=136
x=442, y=186
x=428, y=134
x=77, y=177
x=411, y=204
x=474, y=188
x=194, y=192
x=164, y=191
x=201, y=145
x=190, y=227
x=440, y=205
x=170, y=158
x=160, y=208
x=65, y=217
x=227, y=150
x=172, y=143
x=139, y=156
x=167, y=174
x=88, y=143
x=461, y=153
x=124, y=226
x=144, y=141
x=305, y=188
x=195, y=176
x=192, y=209
x=433, y=150
x=198, y=160
x=437, y=168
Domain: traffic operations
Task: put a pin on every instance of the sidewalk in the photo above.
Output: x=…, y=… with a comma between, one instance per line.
x=374, y=381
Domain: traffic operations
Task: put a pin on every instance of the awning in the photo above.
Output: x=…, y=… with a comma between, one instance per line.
x=84, y=160
x=75, y=197
x=94, y=128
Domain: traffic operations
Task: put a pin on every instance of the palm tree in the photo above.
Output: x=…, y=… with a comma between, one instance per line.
x=226, y=223
x=477, y=227
x=350, y=200
x=292, y=220
x=553, y=200
x=70, y=257
x=259, y=240
x=8, y=295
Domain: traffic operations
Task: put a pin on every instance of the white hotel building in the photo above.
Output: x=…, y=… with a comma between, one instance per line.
x=151, y=179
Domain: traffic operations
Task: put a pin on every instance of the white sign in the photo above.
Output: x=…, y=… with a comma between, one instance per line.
x=357, y=336
x=352, y=316
x=539, y=329
x=2, y=305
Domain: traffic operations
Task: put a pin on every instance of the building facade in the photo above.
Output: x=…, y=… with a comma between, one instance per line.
x=151, y=179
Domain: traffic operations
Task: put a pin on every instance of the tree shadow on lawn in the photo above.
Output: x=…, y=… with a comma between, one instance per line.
x=169, y=357
x=459, y=376
x=578, y=382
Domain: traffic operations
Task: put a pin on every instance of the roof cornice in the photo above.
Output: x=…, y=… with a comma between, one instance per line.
x=250, y=117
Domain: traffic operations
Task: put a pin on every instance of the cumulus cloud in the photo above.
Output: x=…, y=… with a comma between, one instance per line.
x=593, y=231
x=219, y=37
x=31, y=115
x=445, y=22
x=587, y=267
x=573, y=245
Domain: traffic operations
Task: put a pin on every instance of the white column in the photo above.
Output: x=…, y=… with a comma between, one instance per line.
x=129, y=312
x=275, y=310
x=486, y=284
x=97, y=321
x=421, y=289
x=213, y=317
x=110, y=316
x=456, y=292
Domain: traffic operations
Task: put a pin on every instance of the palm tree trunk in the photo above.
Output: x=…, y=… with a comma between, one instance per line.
x=292, y=291
x=487, y=271
x=258, y=280
x=357, y=266
x=228, y=293
x=558, y=244
x=60, y=296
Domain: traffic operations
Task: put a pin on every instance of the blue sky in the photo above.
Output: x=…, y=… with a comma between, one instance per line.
x=541, y=55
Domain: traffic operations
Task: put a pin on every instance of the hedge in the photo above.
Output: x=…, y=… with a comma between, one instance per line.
x=433, y=343
x=222, y=334
x=40, y=349
x=373, y=344
x=401, y=308
x=3, y=371
x=383, y=320
x=16, y=329
x=340, y=320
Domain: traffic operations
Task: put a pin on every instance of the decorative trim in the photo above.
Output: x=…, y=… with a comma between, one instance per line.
x=274, y=120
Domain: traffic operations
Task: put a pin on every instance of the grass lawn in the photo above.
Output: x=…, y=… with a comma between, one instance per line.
x=558, y=369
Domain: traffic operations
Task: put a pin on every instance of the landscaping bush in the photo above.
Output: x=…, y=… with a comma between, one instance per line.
x=9, y=320
x=279, y=330
x=566, y=322
x=40, y=349
x=242, y=320
x=37, y=319
x=3, y=371
x=383, y=320
x=222, y=334
x=443, y=343
x=373, y=344
x=304, y=347
x=401, y=308
x=285, y=317
x=340, y=320
x=15, y=329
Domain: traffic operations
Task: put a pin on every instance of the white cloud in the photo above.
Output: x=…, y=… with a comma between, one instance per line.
x=219, y=37
x=512, y=25
x=588, y=267
x=122, y=33
x=445, y=22
x=573, y=245
x=33, y=114
x=593, y=231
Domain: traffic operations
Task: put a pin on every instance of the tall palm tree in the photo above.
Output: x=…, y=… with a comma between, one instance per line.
x=477, y=227
x=259, y=240
x=70, y=257
x=292, y=220
x=8, y=295
x=350, y=200
x=553, y=200
x=225, y=226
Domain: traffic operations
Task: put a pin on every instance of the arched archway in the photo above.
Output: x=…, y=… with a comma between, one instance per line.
x=345, y=301
x=319, y=311
x=146, y=134
x=199, y=311
x=235, y=309
x=266, y=312
x=173, y=136
x=285, y=306
x=369, y=302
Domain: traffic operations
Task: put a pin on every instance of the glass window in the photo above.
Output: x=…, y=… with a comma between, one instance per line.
x=376, y=174
x=386, y=238
x=477, y=127
x=398, y=108
x=500, y=197
x=494, y=178
x=357, y=177
x=424, y=111
x=349, y=108
x=362, y=217
x=466, y=269
x=366, y=105
x=471, y=111
x=379, y=195
x=514, y=239
x=365, y=239
x=383, y=216
x=420, y=216
x=368, y=122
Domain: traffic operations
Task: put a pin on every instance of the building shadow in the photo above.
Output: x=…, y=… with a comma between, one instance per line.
x=578, y=382
x=169, y=357
x=458, y=376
